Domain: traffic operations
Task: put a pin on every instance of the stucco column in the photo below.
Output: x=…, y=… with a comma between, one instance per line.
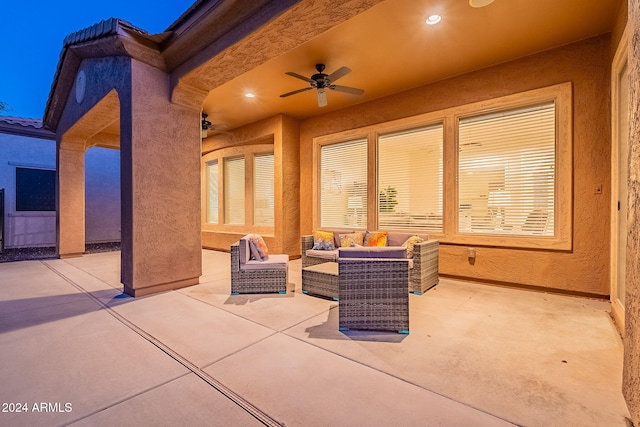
x=287, y=206
x=70, y=209
x=160, y=155
x=631, y=373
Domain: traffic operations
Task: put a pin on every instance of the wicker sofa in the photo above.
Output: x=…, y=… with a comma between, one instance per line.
x=251, y=276
x=423, y=266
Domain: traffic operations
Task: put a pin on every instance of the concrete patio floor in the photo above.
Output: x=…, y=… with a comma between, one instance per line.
x=76, y=351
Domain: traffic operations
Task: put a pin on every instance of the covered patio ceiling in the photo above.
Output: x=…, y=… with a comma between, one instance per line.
x=390, y=48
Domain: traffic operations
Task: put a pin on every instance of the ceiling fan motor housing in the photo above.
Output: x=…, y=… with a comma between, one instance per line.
x=320, y=78
x=322, y=81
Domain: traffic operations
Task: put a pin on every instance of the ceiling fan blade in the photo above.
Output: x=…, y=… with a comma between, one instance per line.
x=299, y=76
x=295, y=91
x=340, y=72
x=347, y=89
x=322, y=98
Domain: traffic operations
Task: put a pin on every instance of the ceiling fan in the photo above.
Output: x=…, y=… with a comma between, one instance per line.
x=322, y=81
x=209, y=128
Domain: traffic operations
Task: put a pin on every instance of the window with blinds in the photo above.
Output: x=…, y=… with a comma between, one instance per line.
x=263, y=191
x=234, y=191
x=212, y=192
x=343, y=184
x=410, y=180
x=506, y=172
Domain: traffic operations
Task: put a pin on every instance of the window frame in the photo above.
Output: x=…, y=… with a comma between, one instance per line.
x=254, y=157
x=560, y=94
x=319, y=188
x=20, y=188
x=563, y=180
x=226, y=198
x=341, y=138
x=381, y=133
x=207, y=196
x=221, y=155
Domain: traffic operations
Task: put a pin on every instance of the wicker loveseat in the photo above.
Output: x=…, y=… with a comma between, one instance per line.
x=423, y=265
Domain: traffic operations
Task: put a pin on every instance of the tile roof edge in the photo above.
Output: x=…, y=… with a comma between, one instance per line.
x=22, y=121
x=32, y=128
x=101, y=29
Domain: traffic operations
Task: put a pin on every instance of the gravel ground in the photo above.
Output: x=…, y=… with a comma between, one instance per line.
x=24, y=254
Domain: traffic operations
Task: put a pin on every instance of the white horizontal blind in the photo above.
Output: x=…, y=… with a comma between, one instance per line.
x=506, y=172
x=410, y=180
x=343, y=184
x=263, y=194
x=234, y=191
x=212, y=192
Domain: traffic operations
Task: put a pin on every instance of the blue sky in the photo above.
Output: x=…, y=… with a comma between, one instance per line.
x=33, y=31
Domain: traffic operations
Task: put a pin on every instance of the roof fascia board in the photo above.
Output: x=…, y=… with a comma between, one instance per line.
x=194, y=14
x=215, y=25
x=28, y=131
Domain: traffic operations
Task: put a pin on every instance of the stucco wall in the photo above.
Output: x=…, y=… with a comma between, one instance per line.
x=586, y=65
x=102, y=200
x=631, y=374
x=25, y=229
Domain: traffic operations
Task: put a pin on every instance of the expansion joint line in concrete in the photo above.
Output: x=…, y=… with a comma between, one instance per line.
x=255, y=412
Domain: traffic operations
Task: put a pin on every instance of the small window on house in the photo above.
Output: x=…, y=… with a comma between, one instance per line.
x=234, y=191
x=212, y=192
x=263, y=190
x=506, y=172
x=410, y=180
x=343, y=184
x=35, y=190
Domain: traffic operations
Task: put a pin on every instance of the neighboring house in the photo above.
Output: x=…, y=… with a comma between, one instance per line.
x=28, y=187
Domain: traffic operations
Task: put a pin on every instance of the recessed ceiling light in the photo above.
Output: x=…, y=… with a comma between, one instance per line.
x=250, y=95
x=434, y=19
x=480, y=3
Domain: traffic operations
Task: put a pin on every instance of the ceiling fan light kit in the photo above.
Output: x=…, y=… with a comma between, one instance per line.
x=321, y=81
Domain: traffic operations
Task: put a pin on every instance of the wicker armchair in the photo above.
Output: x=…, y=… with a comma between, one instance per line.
x=373, y=294
x=423, y=275
x=254, y=276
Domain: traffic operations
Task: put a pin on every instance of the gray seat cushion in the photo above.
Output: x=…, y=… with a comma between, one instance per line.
x=278, y=261
x=328, y=255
